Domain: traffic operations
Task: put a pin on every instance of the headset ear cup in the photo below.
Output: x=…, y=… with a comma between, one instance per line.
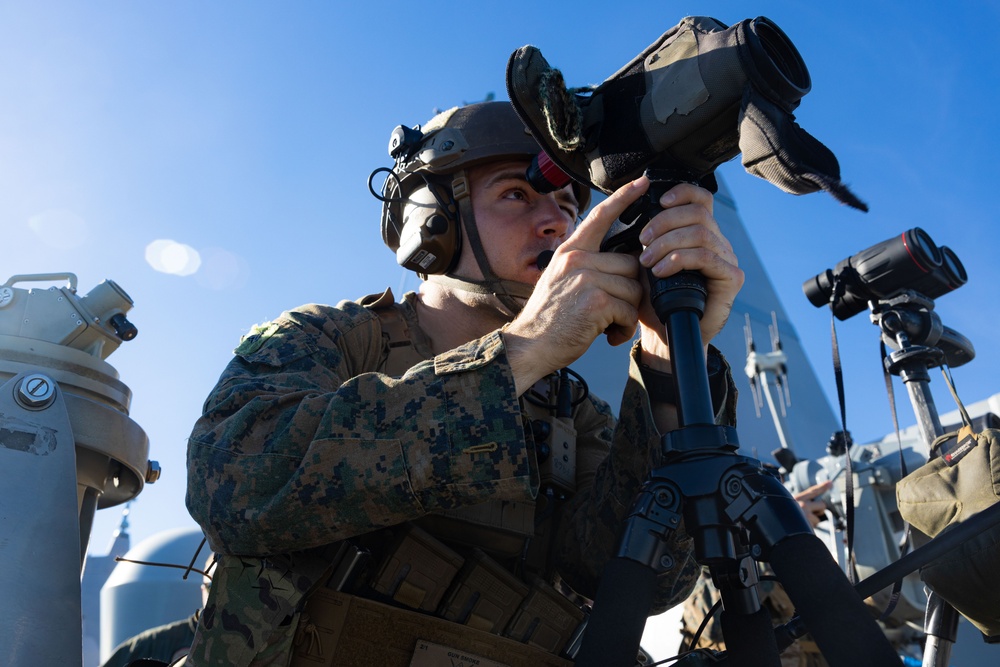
x=430, y=239
x=430, y=248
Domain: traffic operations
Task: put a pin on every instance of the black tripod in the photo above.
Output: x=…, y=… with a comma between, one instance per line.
x=922, y=343
x=736, y=511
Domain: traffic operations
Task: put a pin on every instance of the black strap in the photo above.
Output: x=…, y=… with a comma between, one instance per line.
x=950, y=381
x=838, y=373
x=897, y=586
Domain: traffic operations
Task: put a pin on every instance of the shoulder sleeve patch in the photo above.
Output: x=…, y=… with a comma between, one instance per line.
x=255, y=338
x=277, y=343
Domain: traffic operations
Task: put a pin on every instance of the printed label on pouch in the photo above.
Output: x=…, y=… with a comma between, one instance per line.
x=966, y=441
x=436, y=655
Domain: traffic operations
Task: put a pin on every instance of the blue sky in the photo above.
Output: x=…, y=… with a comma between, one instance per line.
x=246, y=132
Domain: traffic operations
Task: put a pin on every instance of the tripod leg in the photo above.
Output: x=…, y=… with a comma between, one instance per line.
x=941, y=627
x=746, y=625
x=618, y=620
x=750, y=639
x=804, y=567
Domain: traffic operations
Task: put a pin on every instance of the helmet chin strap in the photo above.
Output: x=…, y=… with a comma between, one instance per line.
x=512, y=294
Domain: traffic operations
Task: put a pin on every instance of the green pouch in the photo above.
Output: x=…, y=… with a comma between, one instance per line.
x=945, y=492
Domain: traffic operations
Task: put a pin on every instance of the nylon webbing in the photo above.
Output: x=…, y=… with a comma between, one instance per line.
x=838, y=373
x=950, y=381
x=897, y=586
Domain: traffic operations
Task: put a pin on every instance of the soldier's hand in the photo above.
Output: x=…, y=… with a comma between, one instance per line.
x=686, y=236
x=581, y=294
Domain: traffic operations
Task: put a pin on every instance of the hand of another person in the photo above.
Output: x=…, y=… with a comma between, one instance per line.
x=815, y=510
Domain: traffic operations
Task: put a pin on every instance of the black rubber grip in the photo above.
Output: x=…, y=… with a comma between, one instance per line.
x=836, y=616
x=621, y=607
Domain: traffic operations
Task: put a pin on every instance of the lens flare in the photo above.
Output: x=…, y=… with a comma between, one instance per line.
x=171, y=257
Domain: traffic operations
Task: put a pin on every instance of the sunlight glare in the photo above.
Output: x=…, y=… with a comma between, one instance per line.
x=171, y=257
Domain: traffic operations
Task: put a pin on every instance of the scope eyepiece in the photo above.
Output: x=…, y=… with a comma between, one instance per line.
x=909, y=261
x=819, y=288
x=544, y=175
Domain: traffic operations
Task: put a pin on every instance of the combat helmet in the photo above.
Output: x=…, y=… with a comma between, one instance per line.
x=425, y=199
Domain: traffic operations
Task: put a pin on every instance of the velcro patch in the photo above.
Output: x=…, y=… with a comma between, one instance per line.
x=258, y=335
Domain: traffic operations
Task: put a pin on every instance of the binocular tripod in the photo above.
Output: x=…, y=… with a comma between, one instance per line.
x=922, y=343
x=737, y=513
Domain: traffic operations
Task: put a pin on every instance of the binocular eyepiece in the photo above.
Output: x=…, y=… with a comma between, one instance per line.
x=909, y=261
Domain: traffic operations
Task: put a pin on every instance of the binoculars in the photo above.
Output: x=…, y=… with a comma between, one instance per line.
x=909, y=261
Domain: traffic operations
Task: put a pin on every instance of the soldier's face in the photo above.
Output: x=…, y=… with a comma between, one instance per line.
x=515, y=223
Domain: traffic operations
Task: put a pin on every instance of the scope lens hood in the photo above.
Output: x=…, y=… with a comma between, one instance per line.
x=779, y=70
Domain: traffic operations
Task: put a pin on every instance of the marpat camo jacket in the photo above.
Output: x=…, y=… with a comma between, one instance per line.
x=303, y=443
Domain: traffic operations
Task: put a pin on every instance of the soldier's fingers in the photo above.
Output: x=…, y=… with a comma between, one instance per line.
x=575, y=259
x=589, y=233
x=687, y=193
x=693, y=237
x=711, y=265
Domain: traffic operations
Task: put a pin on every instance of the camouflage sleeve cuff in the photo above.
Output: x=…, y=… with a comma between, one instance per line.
x=474, y=354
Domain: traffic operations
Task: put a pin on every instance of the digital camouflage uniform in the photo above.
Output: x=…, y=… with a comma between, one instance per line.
x=165, y=642
x=304, y=442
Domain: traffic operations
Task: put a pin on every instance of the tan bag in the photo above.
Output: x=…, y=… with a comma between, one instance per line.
x=945, y=492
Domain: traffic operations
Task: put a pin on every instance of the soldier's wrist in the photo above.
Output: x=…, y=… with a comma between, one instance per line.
x=661, y=385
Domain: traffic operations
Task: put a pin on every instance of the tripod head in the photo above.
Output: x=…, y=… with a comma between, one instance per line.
x=913, y=329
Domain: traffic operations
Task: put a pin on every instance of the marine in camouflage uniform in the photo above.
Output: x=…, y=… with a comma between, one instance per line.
x=307, y=440
x=802, y=653
x=165, y=642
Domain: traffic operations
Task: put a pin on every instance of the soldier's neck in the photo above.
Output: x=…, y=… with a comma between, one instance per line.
x=452, y=317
